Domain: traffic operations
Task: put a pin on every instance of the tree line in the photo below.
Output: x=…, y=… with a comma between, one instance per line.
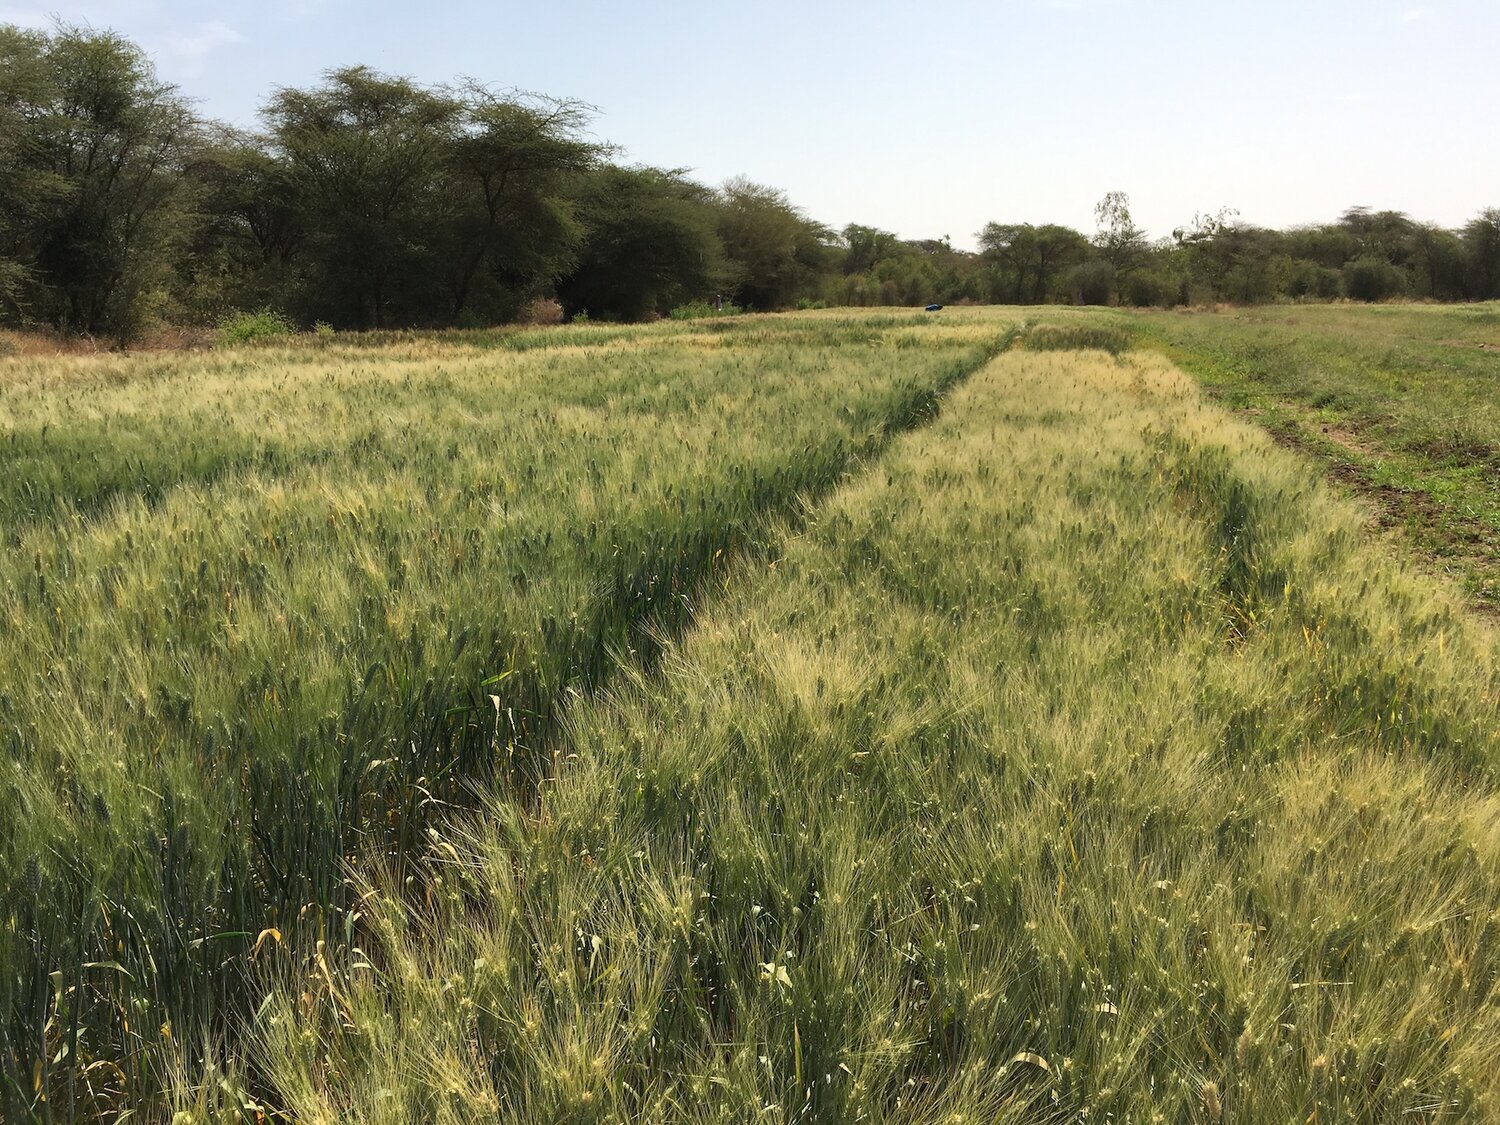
x=1364, y=255
x=374, y=201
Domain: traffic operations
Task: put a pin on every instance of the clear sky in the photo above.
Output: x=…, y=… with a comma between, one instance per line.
x=931, y=118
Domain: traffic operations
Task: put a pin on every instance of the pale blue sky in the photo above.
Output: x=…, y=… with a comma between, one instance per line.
x=932, y=118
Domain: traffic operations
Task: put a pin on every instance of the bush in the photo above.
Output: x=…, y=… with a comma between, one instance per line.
x=1309, y=280
x=1077, y=337
x=542, y=311
x=248, y=327
x=1146, y=290
x=1372, y=279
x=1092, y=282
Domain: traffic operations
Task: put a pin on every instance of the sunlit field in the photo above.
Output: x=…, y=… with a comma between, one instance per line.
x=266, y=609
x=803, y=718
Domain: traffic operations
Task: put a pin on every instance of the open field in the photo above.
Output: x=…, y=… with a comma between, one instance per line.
x=1400, y=400
x=1080, y=761
x=255, y=607
x=695, y=723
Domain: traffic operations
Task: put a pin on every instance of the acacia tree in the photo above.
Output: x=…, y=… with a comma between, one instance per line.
x=777, y=253
x=415, y=204
x=92, y=147
x=255, y=191
x=514, y=158
x=1437, y=262
x=1379, y=234
x=651, y=244
x=27, y=190
x=864, y=247
x=365, y=156
x=1010, y=250
x=1119, y=241
x=1058, y=248
x=1204, y=247
x=1481, y=239
x=244, y=249
x=1019, y=251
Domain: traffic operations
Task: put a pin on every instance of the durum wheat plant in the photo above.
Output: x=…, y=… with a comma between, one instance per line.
x=265, y=609
x=1081, y=761
x=777, y=719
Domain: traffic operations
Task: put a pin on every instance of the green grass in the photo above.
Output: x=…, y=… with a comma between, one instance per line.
x=1080, y=761
x=1399, y=400
x=261, y=609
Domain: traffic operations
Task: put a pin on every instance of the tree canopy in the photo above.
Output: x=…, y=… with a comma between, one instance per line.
x=370, y=200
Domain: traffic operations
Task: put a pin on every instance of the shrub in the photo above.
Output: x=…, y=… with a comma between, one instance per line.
x=1372, y=279
x=1145, y=290
x=323, y=330
x=541, y=311
x=1092, y=282
x=1307, y=279
x=248, y=327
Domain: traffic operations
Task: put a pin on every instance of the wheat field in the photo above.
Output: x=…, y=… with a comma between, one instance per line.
x=810, y=718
